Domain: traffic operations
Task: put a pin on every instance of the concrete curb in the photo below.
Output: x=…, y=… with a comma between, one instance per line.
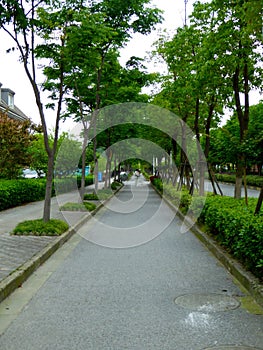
x=244, y=277
x=21, y=274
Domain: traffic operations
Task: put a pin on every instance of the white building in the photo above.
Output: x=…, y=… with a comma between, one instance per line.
x=8, y=106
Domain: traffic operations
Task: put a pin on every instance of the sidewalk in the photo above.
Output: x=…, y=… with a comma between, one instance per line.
x=164, y=291
x=21, y=255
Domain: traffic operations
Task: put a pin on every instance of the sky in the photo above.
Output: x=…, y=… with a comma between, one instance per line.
x=12, y=74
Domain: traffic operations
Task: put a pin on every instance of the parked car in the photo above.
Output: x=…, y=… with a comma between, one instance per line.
x=32, y=174
x=123, y=176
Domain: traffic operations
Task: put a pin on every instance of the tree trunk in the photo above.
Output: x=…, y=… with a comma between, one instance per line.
x=48, y=192
x=83, y=163
x=243, y=118
x=239, y=176
x=259, y=203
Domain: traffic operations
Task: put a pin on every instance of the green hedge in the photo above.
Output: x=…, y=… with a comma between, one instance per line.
x=234, y=225
x=17, y=192
x=229, y=221
x=38, y=227
x=252, y=180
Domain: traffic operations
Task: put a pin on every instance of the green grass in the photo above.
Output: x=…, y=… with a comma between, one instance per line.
x=38, y=227
x=104, y=193
x=86, y=206
x=115, y=185
x=91, y=197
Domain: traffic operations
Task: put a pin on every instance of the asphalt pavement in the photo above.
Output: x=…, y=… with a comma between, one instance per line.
x=229, y=189
x=131, y=279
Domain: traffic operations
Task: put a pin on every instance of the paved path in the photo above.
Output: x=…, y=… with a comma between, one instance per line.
x=15, y=250
x=229, y=189
x=163, y=293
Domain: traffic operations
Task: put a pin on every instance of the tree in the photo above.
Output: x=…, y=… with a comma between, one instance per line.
x=69, y=153
x=15, y=140
x=193, y=89
x=25, y=23
x=235, y=49
x=225, y=141
x=38, y=154
x=92, y=52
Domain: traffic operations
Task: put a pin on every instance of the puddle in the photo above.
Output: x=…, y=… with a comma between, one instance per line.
x=232, y=347
x=207, y=303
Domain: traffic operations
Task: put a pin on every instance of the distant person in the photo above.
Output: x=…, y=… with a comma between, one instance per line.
x=137, y=173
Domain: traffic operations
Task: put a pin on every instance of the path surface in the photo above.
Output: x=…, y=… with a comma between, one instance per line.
x=17, y=250
x=163, y=293
x=229, y=189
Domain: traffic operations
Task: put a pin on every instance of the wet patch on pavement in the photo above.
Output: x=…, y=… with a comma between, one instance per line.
x=232, y=347
x=207, y=303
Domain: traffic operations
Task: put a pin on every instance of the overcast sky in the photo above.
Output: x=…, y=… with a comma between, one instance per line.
x=13, y=76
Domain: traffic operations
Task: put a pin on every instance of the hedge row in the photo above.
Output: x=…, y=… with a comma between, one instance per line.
x=252, y=180
x=17, y=192
x=234, y=225
x=228, y=220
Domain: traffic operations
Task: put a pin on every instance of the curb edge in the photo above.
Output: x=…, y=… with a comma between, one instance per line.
x=14, y=280
x=244, y=277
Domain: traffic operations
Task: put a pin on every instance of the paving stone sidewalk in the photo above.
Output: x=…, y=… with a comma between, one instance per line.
x=15, y=251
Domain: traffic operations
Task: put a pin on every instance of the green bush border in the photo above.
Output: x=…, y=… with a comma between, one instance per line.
x=252, y=180
x=85, y=206
x=38, y=227
x=229, y=221
x=21, y=191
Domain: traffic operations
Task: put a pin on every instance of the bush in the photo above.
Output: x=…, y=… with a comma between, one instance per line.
x=17, y=192
x=158, y=184
x=89, y=180
x=230, y=221
x=38, y=227
x=104, y=194
x=67, y=184
x=234, y=225
x=115, y=185
x=85, y=206
x=91, y=196
x=252, y=180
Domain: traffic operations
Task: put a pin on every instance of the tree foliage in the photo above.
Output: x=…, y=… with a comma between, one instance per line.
x=213, y=63
x=15, y=140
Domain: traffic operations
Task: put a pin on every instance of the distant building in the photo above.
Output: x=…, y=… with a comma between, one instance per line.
x=8, y=106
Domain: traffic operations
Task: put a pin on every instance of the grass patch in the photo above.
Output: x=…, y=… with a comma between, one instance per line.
x=38, y=227
x=114, y=185
x=91, y=197
x=86, y=206
x=104, y=193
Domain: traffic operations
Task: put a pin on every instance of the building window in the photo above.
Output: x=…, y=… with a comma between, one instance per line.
x=11, y=100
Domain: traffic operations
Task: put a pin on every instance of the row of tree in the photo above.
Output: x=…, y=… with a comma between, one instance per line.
x=79, y=42
x=212, y=64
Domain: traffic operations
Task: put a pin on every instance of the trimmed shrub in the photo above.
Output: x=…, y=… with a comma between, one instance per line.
x=229, y=221
x=252, y=180
x=38, y=227
x=17, y=192
x=85, y=206
x=91, y=197
x=21, y=191
x=104, y=194
x=115, y=185
x=158, y=184
x=236, y=228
